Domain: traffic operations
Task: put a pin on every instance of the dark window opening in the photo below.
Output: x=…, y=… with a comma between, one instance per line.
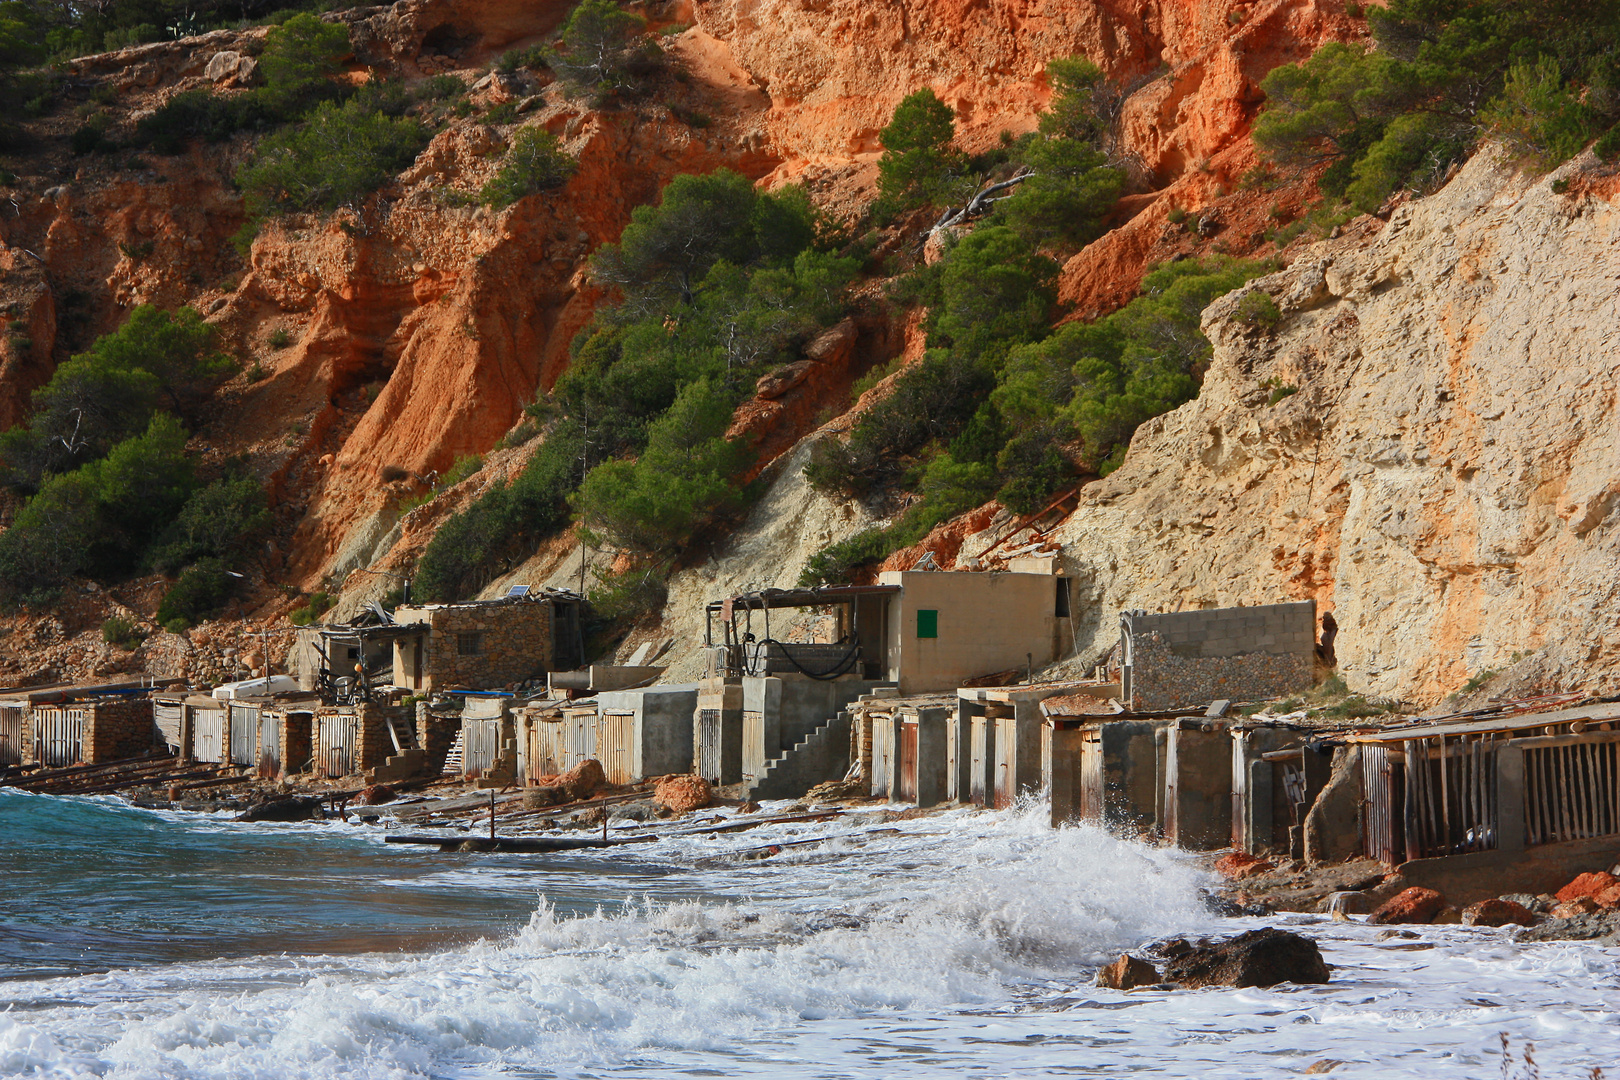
x=471, y=644
x=1062, y=598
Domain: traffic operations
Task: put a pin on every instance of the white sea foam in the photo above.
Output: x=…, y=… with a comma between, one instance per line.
x=961, y=943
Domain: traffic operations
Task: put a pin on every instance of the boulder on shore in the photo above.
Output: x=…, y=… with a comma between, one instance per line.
x=1126, y=973
x=375, y=795
x=683, y=794
x=291, y=808
x=583, y=780
x=1262, y=957
x=1497, y=912
x=1413, y=905
x=1586, y=885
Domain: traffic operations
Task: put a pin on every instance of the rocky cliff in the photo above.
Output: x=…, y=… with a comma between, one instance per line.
x=1422, y=444
x=1445, y=476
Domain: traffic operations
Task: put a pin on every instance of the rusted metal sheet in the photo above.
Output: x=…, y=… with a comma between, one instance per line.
x=1382, y=835
x=708, y=744
x=882, y=740
x=337, y=750
x=209, y=739
x=244, y=732
x=616, y=746
x=269, y=745
x=548, y=749
x=58, y=736
x=908, y=760
x=981, y=760
x=481, y=743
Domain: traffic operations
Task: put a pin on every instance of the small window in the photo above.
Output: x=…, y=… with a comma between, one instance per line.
x=470, y=644
x=927, y=623
x=1062, y=610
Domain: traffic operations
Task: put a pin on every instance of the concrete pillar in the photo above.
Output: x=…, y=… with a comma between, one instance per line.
x=1060, y=770
x=1198, y=792
x=932, y=732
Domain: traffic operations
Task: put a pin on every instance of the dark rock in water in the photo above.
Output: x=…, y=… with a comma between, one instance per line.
x=1232, y=909
x=1127, y=973
x=375, y=795
x=1170, y=948
x=291, y=808
x=1532, y=903
x=1263, y=957
x=1588, y=927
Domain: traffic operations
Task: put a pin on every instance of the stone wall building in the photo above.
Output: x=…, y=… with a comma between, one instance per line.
x=481, y=645
x=1186, y=658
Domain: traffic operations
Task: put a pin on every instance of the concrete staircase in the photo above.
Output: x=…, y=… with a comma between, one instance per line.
x=820, y=756
x=502, y=772
x=406, y=761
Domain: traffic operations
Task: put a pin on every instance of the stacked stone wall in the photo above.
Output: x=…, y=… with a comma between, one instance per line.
x=515, y=644
x=1163, y=679
x=117, y=729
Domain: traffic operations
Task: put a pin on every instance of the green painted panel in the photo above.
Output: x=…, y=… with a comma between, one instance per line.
x=927, y=623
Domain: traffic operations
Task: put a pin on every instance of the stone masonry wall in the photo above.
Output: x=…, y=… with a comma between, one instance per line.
x=515, y=644
x=1269, y=628
x=1163, y=679
x=117, y=729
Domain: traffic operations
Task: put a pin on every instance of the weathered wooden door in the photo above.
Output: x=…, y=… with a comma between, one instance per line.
x=882, y=736
x=244, y=730
x=908, y=761
x=208, y=735
x=1092, y=798
x=168, y=716
x=269, y=745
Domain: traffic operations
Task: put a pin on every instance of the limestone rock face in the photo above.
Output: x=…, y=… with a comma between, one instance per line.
x=1444, y=480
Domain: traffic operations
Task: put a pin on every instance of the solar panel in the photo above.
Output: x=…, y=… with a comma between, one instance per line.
x=517, y=591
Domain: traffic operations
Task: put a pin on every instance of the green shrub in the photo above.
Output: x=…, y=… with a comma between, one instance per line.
x=1064, y=202
x=278, y=338
x=121, y=632
x=1539, y=76
x=919, y=166
x=462, y=468
x=219, y=519
x=629, y=596
x=605, y=52
x=91, y=137
x=201, y=591
x=176, y=625
x=535, y=162
x=681, y=481
x=111, y=392
x=337, y=157
x=1538, y=117
x=299, y=60
x=440, y=88
x=319, y=604
x=1258, y=310
x=504, y=113
x=1607, y=148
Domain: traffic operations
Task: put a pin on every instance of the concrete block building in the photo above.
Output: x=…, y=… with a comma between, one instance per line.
x=1185, y=658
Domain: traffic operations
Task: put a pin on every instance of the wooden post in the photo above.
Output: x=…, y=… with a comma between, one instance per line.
x=1509, y=797
x=492, y=813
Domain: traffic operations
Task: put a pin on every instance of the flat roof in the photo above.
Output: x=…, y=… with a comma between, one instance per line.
x=809, y=597
x=1517, y=722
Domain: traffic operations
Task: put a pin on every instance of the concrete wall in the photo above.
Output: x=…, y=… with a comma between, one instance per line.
x=663, y=726
x=780, y=710
x=1198, y=785
x=1185, y=658
x=933, y=729
x=986, y=623
x=514, y=644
